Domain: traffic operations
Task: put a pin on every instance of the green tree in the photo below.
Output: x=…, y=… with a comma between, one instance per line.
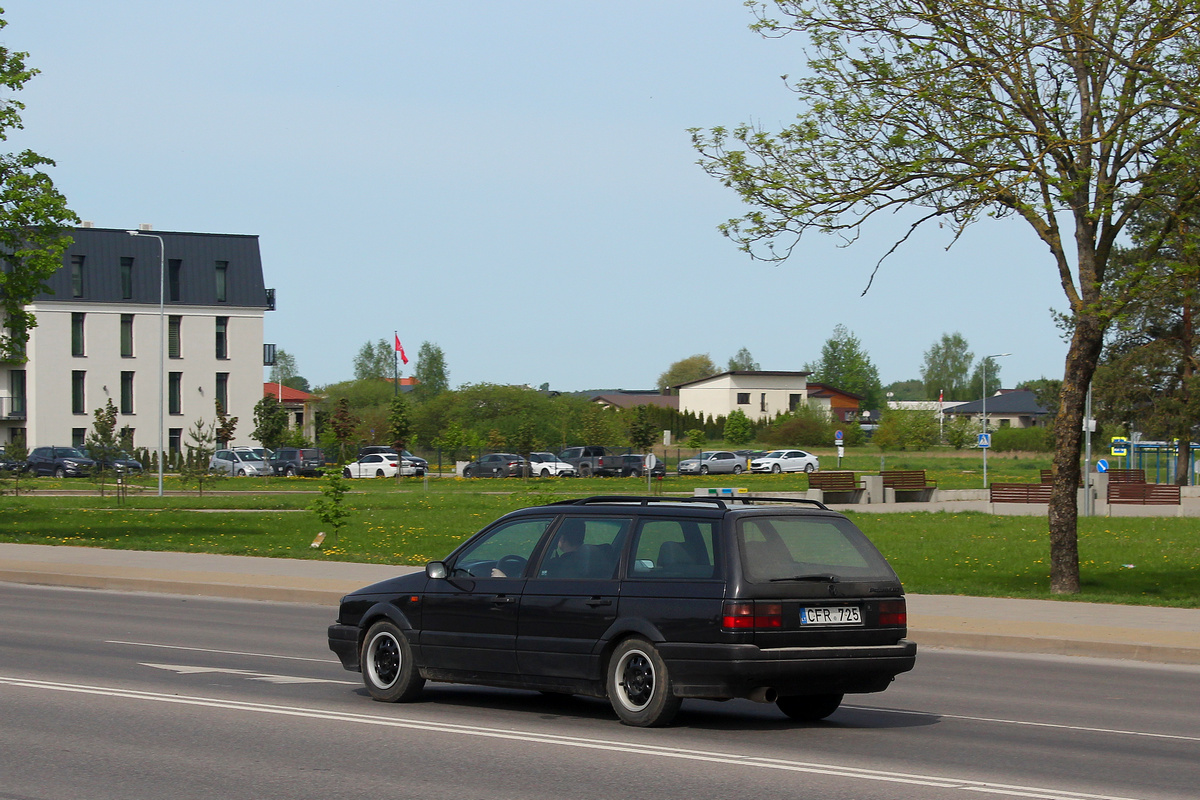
x=738, y=428
x=375, y=361
x=33, y=217
x=343, y=423
x=1070, y=117
x=1046, y=391
x=692, y=368
x=201, y=445
x=960, y=431
x=451, y=441
x=904, y=429
x=330, y=508
x=912, y=389
x=640, y=427
x=270, y=422
x=399, y=425
x=225, y=425
x=431, y=373
x=742, y=361
x=102, y=442
x=994, y=384
x=696, y=439
x=846, y=366
x=947, y=369
x=284, y=371
x=18, y=453
x=804, y=427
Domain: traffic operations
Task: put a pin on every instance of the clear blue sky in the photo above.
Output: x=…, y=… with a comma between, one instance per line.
x=512, y=181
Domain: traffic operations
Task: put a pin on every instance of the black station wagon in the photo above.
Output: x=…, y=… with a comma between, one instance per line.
x=644, y=601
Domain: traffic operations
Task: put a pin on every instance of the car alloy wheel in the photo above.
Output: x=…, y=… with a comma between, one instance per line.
x=639, y=686
x=387, y=666
x=775, y=468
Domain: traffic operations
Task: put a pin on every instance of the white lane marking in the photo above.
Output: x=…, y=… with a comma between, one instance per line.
x=1030, y=723
x=266, y=677
x=655, y=751
x=223, y=652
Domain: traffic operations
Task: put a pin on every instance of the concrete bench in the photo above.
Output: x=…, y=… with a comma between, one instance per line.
x=1146, y=494
x=908, y=481
x=836, y=482
x=1019, y=493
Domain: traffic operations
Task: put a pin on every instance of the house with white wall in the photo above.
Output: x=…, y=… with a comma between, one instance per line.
x=761, y=395
x=117, y=300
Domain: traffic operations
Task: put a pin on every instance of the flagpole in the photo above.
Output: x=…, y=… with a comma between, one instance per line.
x=396, y=366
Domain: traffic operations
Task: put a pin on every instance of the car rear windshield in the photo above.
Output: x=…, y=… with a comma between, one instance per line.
x=310, y=453
x=807, y=548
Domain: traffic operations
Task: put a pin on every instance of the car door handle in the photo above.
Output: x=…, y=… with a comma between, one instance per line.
x=503, y=600
x=598, y=601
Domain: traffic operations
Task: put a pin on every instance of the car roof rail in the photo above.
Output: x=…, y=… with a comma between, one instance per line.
x=752, y=499
x=627, y=499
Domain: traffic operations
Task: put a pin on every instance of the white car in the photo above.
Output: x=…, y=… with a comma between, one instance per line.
x=379, y=465
x=544, y=465
x=239, y=462
x=786, y=461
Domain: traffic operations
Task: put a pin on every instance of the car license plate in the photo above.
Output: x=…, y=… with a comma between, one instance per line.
x=831, y=615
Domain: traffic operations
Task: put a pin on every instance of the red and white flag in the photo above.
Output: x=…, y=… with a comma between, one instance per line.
x=400, y=349
x=941, y=392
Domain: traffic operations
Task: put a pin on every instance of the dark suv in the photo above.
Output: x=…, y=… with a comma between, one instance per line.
x=644, y=601
x=61, y=462
x=291, y=461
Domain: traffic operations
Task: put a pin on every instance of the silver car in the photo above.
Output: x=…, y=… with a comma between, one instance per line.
x=715, y=462
x=239, y=462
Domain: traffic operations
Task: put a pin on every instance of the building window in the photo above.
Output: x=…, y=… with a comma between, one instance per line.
x=78, y=437
x=78, y=401
x=175, y=440
x=126, y=278
x=223, y=390
x=174, y=269
x=77, y=276
x=77, y=333
x=127, y=335
x=127, y=392
x=222, y=337
x=794, y=401
x=174, y=393
x=743, y=398
x=762, y=402
x=222, y=274
x=16, y=389
x=174, y=323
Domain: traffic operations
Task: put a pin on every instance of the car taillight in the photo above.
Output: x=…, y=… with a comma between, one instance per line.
x=752, y=616
x=893, y=612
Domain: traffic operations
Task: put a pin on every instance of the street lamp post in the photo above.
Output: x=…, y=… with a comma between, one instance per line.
x=162, y=321
x=984, y=409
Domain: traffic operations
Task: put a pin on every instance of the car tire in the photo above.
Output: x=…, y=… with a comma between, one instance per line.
x=776, y=469
x=387, y=665
x=59, y=472
x=704, y=469
x=346, y=472
x=585, y=471
x=809, y=468
x=290, y=472
x=635, y=473
x=379, y=473
x=545, y=473
x=737, y=469
x=809, y=708
x=241, y=473
x=639, y=685
x=468, y=472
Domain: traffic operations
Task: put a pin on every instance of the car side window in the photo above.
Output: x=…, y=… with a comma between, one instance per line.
x=585, y=548
x=503, y=552
x=673, y=549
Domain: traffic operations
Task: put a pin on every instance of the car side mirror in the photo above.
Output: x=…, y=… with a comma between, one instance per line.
x=436, y=570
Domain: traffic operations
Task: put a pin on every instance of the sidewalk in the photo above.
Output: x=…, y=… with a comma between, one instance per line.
x=1143, y=633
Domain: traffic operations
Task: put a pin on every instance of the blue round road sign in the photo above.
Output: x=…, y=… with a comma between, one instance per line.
x=1102, y=465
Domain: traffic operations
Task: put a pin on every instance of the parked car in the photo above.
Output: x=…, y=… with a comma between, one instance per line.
x=61, y=462
x=379, y=465
x=593, y=460
x=9, y=465
x=644, y=601
x=419, y=464
x=292, y=461
x=545, y=465
x=497, y=465
x=635, y=466
x=121, y=462
x=786, y=461
x=714, y=461
x=238, y=461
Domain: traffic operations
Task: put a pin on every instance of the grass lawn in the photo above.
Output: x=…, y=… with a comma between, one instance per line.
x=1151, y=560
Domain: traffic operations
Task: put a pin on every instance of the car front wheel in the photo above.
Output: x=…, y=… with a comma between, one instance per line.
x=387, y=666
x=809, y=708
x=639, y=686
x=346, y=473
x=704, y=470
x=775, y=468
x=545, y=473
x=60, y=473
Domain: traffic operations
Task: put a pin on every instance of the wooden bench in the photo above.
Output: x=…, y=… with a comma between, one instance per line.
x=1126, y=476
x=908, y=481
x=839, y=482
x=1145, y=494
x=1019, y=493
x=1048, y=475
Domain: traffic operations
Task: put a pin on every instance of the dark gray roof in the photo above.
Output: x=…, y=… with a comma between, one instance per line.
x=1018, y=402
x=103, y=249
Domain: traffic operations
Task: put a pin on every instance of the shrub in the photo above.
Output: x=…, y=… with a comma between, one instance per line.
x=804, y=427
x=1034, y=440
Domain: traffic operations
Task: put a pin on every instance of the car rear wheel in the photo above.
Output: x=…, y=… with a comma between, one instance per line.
x=635, y=473
x=809, y=708
x=737, y=469
x=639, y=686
x=387, y=666
x=378, y=473
x=585, y=471
x=809, y=467
x=291, y=472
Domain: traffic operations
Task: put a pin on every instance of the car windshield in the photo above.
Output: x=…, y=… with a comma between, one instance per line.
x=803, y=548
x=775, y=454
x=68, y=452
x=247, y=455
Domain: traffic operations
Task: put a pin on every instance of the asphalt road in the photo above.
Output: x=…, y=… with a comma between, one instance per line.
x=111, y=695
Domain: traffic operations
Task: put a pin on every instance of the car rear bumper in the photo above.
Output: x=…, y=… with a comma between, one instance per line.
x=718, y=670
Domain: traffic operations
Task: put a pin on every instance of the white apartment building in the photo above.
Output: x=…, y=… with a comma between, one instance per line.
x=100, y=330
